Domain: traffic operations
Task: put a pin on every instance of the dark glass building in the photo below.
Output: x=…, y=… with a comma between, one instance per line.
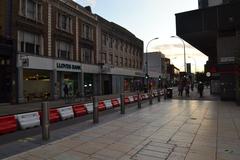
x=214, y=29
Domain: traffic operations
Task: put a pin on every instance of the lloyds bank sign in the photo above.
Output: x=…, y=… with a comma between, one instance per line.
x=68, y=67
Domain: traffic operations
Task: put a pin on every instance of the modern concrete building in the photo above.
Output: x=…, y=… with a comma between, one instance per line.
x=214, y=29
x=46, y=45
x=157, y=68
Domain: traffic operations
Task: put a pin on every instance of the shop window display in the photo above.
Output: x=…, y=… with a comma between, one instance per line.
x=36, y=85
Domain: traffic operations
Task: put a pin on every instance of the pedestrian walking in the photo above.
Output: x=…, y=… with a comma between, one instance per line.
x=180, y=89
x=65, y=90
x=187, y=90
x=192, y=86
x=200, y=89
x=165, y=91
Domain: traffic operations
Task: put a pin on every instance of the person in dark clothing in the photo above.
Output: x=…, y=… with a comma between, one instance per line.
x=180, y=89
x=65, y=90
x=192, y=86
x=187, y=90
x=200, y=89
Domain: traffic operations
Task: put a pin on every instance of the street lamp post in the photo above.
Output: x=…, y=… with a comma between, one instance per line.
x=146, y=62
x=194, y=62
x=184, y=51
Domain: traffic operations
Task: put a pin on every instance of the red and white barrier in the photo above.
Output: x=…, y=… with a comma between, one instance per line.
x=108, y=104
x=28, y=120
x=66, y=112
x=131, y=99
x=89, y=107
x=8, y=124
x=79, y=110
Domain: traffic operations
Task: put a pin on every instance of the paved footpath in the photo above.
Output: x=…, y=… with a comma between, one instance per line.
x=170, y=130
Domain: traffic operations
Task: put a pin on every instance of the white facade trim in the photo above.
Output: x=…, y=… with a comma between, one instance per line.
x=43, y=63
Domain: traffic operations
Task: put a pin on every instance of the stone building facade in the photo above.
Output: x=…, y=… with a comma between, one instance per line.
x=55, y=43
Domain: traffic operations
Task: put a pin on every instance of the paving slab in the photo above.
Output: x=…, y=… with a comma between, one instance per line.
x=169, y=130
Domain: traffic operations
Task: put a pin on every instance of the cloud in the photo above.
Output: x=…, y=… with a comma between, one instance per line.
x=91, y=2
x=87, y=2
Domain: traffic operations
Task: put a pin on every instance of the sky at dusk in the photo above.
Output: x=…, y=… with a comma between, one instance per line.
x=148, y=19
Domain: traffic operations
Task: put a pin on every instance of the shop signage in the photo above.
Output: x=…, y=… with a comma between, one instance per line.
x=25, y=60
x=139, y=73
x=227, y=59
x=68, y=66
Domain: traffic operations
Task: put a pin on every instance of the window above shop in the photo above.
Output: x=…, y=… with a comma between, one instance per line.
x=31, y=9
x=30, y=43
x=64, y=50
x=87, y=55
x=104, y=39
x=64, y=22
x=87, y=31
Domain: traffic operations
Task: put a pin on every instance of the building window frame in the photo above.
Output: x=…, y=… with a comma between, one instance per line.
x=87, y=55
x=30, y=43
x=36, y=9
x=87, y=31
x=64, y=22
x=64, y=50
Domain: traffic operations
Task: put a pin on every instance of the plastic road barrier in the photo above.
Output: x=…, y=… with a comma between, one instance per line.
x=131, y=99
x=108, y=104
x=135, y=97
x=8, y=124
x=89, y=107
x=79, y=110
x=146, y=96
x=54, y=115
x=101, y=106
x=143, y=97
x=126, y=100
x=28, y=120
x=115, y=103
x=119, y=100
x=66, y=112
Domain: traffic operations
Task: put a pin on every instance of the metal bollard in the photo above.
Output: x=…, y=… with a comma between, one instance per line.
x=95, y=110
x=45, y=121
x=150, y=97
x=139, y=100
x=159, y=96
x=122, y=103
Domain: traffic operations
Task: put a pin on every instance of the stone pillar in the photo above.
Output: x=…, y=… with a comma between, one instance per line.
x=53, y=79
x=81, y=86
x=79, y=83
x=20, y=94
x=95, y=84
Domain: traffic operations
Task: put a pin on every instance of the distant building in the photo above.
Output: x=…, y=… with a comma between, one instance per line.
x=157, y=67
x=174, y=74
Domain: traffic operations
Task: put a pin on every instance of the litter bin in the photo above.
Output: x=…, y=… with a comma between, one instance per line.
x=169, y=92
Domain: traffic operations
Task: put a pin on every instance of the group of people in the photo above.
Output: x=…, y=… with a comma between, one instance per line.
x=185, y=86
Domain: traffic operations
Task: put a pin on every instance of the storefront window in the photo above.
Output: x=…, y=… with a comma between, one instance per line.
x=36, y=85
x=88, y=84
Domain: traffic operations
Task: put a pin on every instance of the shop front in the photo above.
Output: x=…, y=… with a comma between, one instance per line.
x=127, y=80
x=36, y=84
x=42, y=78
